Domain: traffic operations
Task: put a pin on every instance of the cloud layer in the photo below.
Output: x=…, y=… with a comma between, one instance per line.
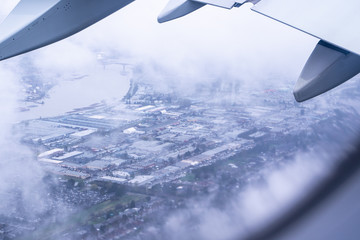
x=237, y=45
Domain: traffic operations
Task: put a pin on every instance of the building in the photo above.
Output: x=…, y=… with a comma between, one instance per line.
x=114, y=179
x=51, y=153
x=69, y=155
x=141, y=180
x=98, y=165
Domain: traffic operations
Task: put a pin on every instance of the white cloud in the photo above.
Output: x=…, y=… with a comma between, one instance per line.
x=21, y=187
x=255, y=206
x=209, y=42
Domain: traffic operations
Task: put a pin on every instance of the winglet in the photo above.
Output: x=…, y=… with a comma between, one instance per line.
x=327, y=67
x=178, y=8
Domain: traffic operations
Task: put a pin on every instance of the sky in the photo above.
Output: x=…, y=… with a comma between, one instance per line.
x=205, y=44
x=239, y=45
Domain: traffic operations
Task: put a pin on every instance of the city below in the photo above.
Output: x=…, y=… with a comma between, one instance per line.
x=120, y=167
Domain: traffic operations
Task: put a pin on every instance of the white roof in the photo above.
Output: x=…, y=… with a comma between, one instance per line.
x=98, y=164
x=141, y=179
x=192, y=163
x=83, y=133
x=121, y=174
x=68, y=155
x=97, y=117
x=130, y=130
x=145, y=108
x=46, y=160
x=50, y=152
x=115, y=179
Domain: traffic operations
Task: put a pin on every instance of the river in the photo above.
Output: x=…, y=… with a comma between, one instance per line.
x=100, y=84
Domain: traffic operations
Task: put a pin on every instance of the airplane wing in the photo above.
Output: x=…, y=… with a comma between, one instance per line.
x=36, y=23
x=334, y=60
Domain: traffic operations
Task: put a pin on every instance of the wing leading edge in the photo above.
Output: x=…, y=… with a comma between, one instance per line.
x=36, y=23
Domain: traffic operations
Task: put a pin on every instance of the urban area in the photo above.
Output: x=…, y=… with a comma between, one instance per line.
x=118, y=167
